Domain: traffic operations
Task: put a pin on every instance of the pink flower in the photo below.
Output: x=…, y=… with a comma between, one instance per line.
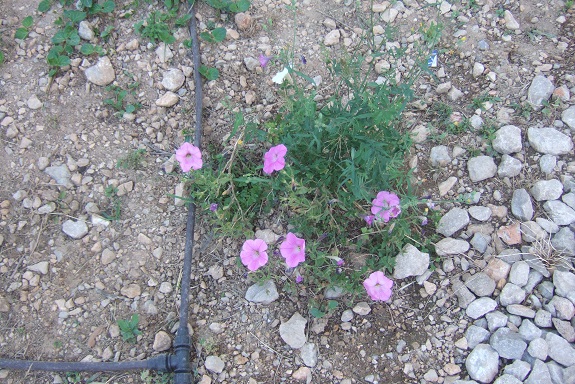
x=385, y=206
x=378, y=286
x=274, y=159
x=293, y=250
x=264, y=60
x=299, y=279
x=189, y=156
x=254, y=254
x=369, y=220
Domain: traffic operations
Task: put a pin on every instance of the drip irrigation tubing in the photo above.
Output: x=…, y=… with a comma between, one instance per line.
x=178, y=362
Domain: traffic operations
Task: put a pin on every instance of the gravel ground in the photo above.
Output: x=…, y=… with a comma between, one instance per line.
x=498, y=306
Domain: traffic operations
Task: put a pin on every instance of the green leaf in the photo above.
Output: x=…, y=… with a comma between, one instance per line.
x=2, y=57
x=130, y=108
x=219, y=34
x=167, y=37
x=209, y=73
x=74, y=38
x=87, y=3
x=183, y=20
x=239, y=6
x=107, y=31
x=331, y=305
x=108, y=7
x=44, y=6
x=21, y=33
x=87, y=49
x=27, y=22
x=207, y=36
x=316, y=313
x=59, y=37
x=75, y=16
x=59, y=61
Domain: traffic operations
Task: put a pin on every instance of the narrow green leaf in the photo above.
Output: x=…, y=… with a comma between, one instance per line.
x=2, y=58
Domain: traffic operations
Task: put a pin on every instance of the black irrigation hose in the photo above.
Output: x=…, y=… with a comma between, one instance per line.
x=179, y=361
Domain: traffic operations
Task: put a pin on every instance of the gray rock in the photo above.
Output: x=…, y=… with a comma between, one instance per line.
x=521, y=205
x=85, y=30
x=560, y=350
x=546, y=289
x=450, y=246
x=443, y=88
x=568, y=183
x=543, y=319
x=480, y=307
x=540, y=90
x=511, y=23
x=507, y=379
x=214, y=364
x=476, y=335
x=262, y=293
x=547, y=163
x=308, y=354
x=531, y=231
x=480, y=242
x=75, y=229
x=556, y=373
x=563, y=307
x=538, y=349
x=507, y=140
x=167, y=100
x=569, y=199
x=564, y=329
x=454, y=94
x=529, y=331
x=568, y=116
x=162, y=341
x=61, y=174
x=452, y=221
x=464, y=295
x=549, y=141
x=102, y=73
x=496, y=320
x=483, y=45
x=519, y=273
x=510, y=255
x=539, y=374
x=293, y=331
x=481, y=168
x=410, y=262
x=535, y=263
x=34, y=103
x=564, y=241
x=511, y=294
x=334, y=292
x=564, y=283
x=509, y=166
x=507, y=343
x=547, y=225
x=439, y=156
x=480, y=284
x=480, y=213
x=520, y=310
x=544, y=190
x=251, y=63
x=559, y=212
x=173, y=79
x=41, y=267
x=478, y=70
x=482, y=363
x=519, y=369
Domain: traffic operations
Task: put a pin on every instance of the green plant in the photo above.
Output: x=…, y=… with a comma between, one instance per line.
x=568, y=5
x=524, y=110
x=151, y=377
x=24, y=30
x=133, y=160
x=479, y=101
x=129, y=328
x=230, y=5
x=2, y=58
x=500, y=12
x=216, y=35
x=113, y=211
x=156, y=28
x=209, y=73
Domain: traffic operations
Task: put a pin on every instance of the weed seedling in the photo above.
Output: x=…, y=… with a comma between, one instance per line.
x=24, y=30
x=129, y=328
x=133, y=160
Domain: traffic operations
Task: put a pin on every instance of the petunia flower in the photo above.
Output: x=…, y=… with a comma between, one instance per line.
x=213, y=207
x=189, y=156
x=299, y=279
x=274, y=159
x=369, y=220
x=280, y=76
x=293, y=250
x=385, y=206
x=253, y=254
x=378, y=286
x=264, y=60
